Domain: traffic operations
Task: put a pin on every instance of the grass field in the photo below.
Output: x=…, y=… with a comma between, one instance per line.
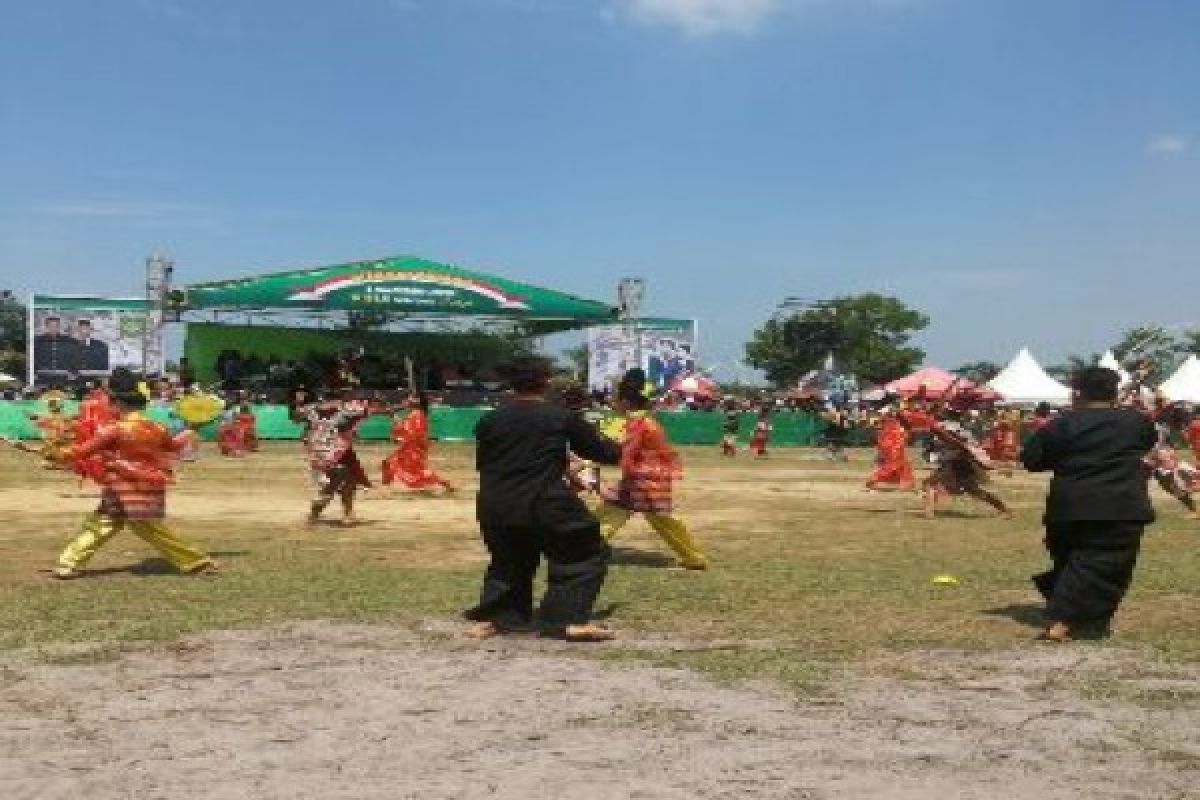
x=810, y=571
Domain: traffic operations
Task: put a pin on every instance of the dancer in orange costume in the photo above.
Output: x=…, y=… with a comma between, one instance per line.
x=96, y=410
x=135, y=457
x=409, y=463
x=1003, y=442
x=892, y=467
x=246, y=421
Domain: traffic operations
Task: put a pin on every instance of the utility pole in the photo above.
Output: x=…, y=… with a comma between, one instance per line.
x=159, y=269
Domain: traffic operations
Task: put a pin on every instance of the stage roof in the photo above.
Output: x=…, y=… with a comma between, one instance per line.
x=401, y=287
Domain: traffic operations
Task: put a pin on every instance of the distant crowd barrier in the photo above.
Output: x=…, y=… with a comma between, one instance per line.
x=791, y=429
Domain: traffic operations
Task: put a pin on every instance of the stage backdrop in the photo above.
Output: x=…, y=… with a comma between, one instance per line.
x=668, y=351
x=72, y=337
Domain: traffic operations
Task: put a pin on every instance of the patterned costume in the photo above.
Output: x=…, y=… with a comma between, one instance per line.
x=134, y=465
x=649, y=468
x=58, y=430
x=1002, y=443
x=892, y=467
x=330, y=445
x=409, y=463
x=1177, y=478
x=95, y=412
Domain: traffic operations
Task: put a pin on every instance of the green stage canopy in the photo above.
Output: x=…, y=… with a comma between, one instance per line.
x=400, y=287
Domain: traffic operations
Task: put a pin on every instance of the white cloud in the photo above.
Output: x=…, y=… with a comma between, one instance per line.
x=1167, y=145
x=701, y=18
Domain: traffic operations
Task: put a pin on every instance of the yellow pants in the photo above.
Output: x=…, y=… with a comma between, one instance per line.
x=671, y=528
x=99, y=528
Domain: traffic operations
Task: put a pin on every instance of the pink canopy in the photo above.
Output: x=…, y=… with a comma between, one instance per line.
x=695, y=385
x=935, y=382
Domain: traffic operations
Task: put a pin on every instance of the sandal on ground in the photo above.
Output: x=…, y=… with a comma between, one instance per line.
x=1058, y=633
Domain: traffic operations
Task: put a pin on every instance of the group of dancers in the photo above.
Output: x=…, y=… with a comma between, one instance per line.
x=539, y=460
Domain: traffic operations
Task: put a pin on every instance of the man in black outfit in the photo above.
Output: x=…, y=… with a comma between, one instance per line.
x=93, y=353
x=1098, y=505
x=526, y=510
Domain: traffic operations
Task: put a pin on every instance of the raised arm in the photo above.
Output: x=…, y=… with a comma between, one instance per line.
x=589, y=443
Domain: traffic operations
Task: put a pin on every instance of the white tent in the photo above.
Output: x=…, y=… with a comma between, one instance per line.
x=1184, y=385
x=1024, y=383
x=1109, y=361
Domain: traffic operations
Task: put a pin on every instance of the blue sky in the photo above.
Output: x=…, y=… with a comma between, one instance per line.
x=1025, y=171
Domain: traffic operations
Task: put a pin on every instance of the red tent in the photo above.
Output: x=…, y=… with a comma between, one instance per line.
x=935, y=382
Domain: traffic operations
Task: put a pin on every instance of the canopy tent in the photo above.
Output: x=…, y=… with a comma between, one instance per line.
x=933, y=382
x=1184, y=385
x=1109, y=361
x=1024, y=383
x=698, y=385
x=399, y=288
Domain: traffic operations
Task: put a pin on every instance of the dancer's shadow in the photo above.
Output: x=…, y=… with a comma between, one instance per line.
x=149, y=567
x=629, y=557
x=1029, y=614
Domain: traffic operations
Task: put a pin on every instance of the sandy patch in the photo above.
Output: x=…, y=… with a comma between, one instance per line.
x=322, y=711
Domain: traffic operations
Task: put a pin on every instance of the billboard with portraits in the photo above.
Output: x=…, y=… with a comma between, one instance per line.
x=665, y=348
x=74, y=338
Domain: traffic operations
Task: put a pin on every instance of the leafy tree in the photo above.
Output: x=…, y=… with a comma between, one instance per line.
x=868, y=333
x=1189, y=341
x=576, y=360
x=1072, y=365
x=13, y=319
x=979, y=371
x=1150, y=343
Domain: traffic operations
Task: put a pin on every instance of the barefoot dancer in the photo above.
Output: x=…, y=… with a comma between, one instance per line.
x=135, y=455
x=1175, y=477
x=961, y=468
x=527, y=511
x=409, y=463
x=892, y=467
x=649, y=467
x=330, y=444
x=1098, y=505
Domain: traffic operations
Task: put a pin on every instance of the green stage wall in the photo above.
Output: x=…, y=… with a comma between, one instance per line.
x=458, y=424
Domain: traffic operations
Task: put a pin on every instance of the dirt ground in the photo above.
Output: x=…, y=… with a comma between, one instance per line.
x=905, y=689
x=316, y=710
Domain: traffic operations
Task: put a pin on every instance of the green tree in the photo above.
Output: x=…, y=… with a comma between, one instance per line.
x=13, y=319
x=1073, y=364
x=575, y=359
x=1149, y=343
x=1189, y=341
x=978, y=372
x=869, y=334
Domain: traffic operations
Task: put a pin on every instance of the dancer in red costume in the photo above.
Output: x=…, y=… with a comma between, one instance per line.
x=96, y=410
x=135, y=456
x=1002, y=442
x=409, y=463
x=892, y=467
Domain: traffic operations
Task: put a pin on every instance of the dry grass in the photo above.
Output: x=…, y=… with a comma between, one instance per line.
x=804, y=561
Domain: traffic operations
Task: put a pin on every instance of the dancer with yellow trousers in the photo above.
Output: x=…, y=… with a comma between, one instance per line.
x=135, y=456
x=649, y=468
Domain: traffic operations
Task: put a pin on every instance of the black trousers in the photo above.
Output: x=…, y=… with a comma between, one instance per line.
x=1092, y=568
x=577, y=560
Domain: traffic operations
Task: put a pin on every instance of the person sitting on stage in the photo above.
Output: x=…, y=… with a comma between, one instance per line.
x=527, y=511
x=1098, y=505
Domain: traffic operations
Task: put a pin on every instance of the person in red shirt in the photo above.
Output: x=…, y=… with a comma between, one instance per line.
x=131, y=458
x=1192, y=434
